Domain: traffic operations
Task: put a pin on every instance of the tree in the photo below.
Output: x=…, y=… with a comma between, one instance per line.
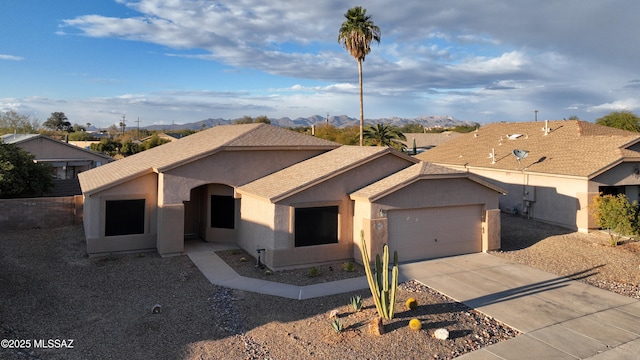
x=384, y=135
x=263, y=119
x=11, y=122
x=58, y=121
x=245, y=120
x=616, y=214
x=625, y=120
x=20, y=176
x=107, y=146
x=153, y=142
x=129, y=148
x=356, y=34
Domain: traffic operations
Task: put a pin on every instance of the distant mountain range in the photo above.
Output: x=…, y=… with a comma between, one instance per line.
x=337, y=121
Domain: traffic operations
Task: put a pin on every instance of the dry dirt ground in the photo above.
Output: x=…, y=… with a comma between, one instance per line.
x=50, y=290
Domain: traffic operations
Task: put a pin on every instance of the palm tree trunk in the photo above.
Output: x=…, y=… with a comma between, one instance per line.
x=361, y=106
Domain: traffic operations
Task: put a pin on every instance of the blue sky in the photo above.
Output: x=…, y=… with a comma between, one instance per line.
x=165, y=61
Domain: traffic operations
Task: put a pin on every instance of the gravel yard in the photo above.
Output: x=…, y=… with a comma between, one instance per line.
x=50, y=289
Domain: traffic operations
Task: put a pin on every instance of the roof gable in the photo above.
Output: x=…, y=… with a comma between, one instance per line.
x=572, y=147
x=301, y=176
x=196, y=146
x=22, y=139
x=410, y=175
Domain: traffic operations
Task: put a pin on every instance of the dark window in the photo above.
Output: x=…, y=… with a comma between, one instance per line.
x=223, y=210
x=611, y=190
x=124, y=217
x=316, y=226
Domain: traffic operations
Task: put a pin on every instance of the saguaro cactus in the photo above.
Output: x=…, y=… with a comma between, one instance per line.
x=383, y=292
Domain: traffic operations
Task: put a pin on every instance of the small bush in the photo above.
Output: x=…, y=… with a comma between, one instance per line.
x=415, y=324
x=313, y=272
x=243, y=259
x=349, y=266
x=616, y=214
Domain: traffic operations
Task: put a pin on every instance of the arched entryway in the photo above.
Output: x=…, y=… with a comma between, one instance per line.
x=212, y=213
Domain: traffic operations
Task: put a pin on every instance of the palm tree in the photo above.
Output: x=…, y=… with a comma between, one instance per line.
x=356, y=34
x=384, y=135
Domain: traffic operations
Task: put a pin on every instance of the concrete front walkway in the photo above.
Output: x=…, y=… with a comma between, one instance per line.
x=560, y=318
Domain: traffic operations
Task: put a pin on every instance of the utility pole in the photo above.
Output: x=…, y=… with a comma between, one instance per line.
x=536, y=112
x=123, y=124
x=138, y=122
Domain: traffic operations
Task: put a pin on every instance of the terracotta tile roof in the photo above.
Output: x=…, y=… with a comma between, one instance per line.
x=194, y=147
x=571, y=147
x=303, y=175
x=403, y=178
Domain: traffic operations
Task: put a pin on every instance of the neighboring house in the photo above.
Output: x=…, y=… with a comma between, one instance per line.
x=165, y=136
x=66, y=160
x=302, y=199
x=426, y=141
x=567, y=163
x=85, y=144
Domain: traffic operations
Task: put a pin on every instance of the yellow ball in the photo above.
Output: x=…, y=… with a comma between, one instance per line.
x=415, y=324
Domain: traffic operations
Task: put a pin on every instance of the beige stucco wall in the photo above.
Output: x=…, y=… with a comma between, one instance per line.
x=257, y=229
x=281, y=252
x=560, y=200
x=94, y=213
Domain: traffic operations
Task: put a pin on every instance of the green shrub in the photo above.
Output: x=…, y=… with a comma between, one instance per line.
x=616, y=214
x=313, y=272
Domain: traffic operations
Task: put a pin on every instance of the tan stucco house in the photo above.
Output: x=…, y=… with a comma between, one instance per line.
x=302, y=199
x=66, y=160
x=567, y=163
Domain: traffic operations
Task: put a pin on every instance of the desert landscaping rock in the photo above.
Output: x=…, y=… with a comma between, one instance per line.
x=50, y=288
x=441, y=334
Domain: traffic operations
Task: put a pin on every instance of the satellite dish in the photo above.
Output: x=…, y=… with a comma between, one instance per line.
x=520, y=154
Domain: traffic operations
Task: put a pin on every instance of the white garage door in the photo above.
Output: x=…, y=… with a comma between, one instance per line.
x=435, y=232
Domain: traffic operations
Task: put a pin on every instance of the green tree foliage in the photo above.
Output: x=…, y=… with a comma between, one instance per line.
x=384, y=135
x=81, y=136
x=412, y=128
x=249, y=120
x=107, y=146
x=244, y=120
x=616, y=214
x=625, y=120
x=12, y=122
x=58, y=121
x=20, y=176
x=344, y=136
x=153, y=142
x=356, y=34
x=130, y=148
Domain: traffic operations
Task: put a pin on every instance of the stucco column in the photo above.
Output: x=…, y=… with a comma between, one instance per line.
x=170, y=229
x=491, y=235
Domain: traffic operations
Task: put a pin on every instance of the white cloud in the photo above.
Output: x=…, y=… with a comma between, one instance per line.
x=618, y=105
x=11, y=57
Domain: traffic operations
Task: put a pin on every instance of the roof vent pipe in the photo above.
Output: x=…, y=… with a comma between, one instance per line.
x=546, y=127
